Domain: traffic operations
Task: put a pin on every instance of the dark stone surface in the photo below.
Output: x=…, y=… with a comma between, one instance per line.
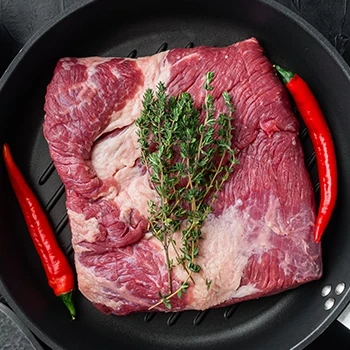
x=20, y=19
x=13, y=334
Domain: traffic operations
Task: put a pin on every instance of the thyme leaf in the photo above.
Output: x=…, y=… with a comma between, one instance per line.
x=208, y=283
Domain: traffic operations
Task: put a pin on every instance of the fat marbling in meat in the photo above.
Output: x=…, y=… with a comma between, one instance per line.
x=259, y=238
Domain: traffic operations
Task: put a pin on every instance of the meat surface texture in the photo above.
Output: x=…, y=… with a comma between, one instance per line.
x=257, y=241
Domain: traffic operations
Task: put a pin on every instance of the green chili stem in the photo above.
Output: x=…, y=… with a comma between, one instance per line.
x=67, y=299
x=286, y=75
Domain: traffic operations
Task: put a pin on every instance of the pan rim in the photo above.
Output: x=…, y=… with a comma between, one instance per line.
x=318, y=36
x=296, y=18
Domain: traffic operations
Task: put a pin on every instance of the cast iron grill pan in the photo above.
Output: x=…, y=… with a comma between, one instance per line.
x=288, y=320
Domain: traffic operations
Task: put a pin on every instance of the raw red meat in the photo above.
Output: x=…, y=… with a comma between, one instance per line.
x=259, y=238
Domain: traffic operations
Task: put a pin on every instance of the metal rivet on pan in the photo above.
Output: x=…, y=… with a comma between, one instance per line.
x=326, y=290
x=329, y=304
x=339, y=288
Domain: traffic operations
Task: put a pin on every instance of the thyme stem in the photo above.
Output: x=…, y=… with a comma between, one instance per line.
x=185, y=160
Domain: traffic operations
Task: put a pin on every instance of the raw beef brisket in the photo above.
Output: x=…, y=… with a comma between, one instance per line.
x=258, y=240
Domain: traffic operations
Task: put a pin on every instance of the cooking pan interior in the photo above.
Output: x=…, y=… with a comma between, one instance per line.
x=111, y=28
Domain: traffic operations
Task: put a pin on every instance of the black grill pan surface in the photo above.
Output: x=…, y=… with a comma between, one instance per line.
x=289, y=320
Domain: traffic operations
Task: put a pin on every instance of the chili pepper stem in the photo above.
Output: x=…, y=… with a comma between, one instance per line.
x=67, y=299
x=286, y=75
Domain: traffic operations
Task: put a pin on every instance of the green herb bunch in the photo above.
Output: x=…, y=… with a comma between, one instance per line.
x=188, y=161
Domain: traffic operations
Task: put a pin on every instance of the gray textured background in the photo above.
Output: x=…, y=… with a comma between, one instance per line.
x=20, y=19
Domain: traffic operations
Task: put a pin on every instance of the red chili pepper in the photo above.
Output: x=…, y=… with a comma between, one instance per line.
x=58, y=271
x=322, y=142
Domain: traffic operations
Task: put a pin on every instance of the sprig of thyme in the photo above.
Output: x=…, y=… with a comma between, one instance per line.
x=186, y=160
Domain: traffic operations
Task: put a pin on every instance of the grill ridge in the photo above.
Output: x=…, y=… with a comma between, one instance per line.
x=317, y=188
x=132, y=54
x=46, y=174
x=54, y=199
x=311, y=161
x=304, y=134
x=149, y=316
x=200, y=317
x=230, y=311
x=173, y=318
x=69, y=249
x=162, y=47
x=62, y=224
